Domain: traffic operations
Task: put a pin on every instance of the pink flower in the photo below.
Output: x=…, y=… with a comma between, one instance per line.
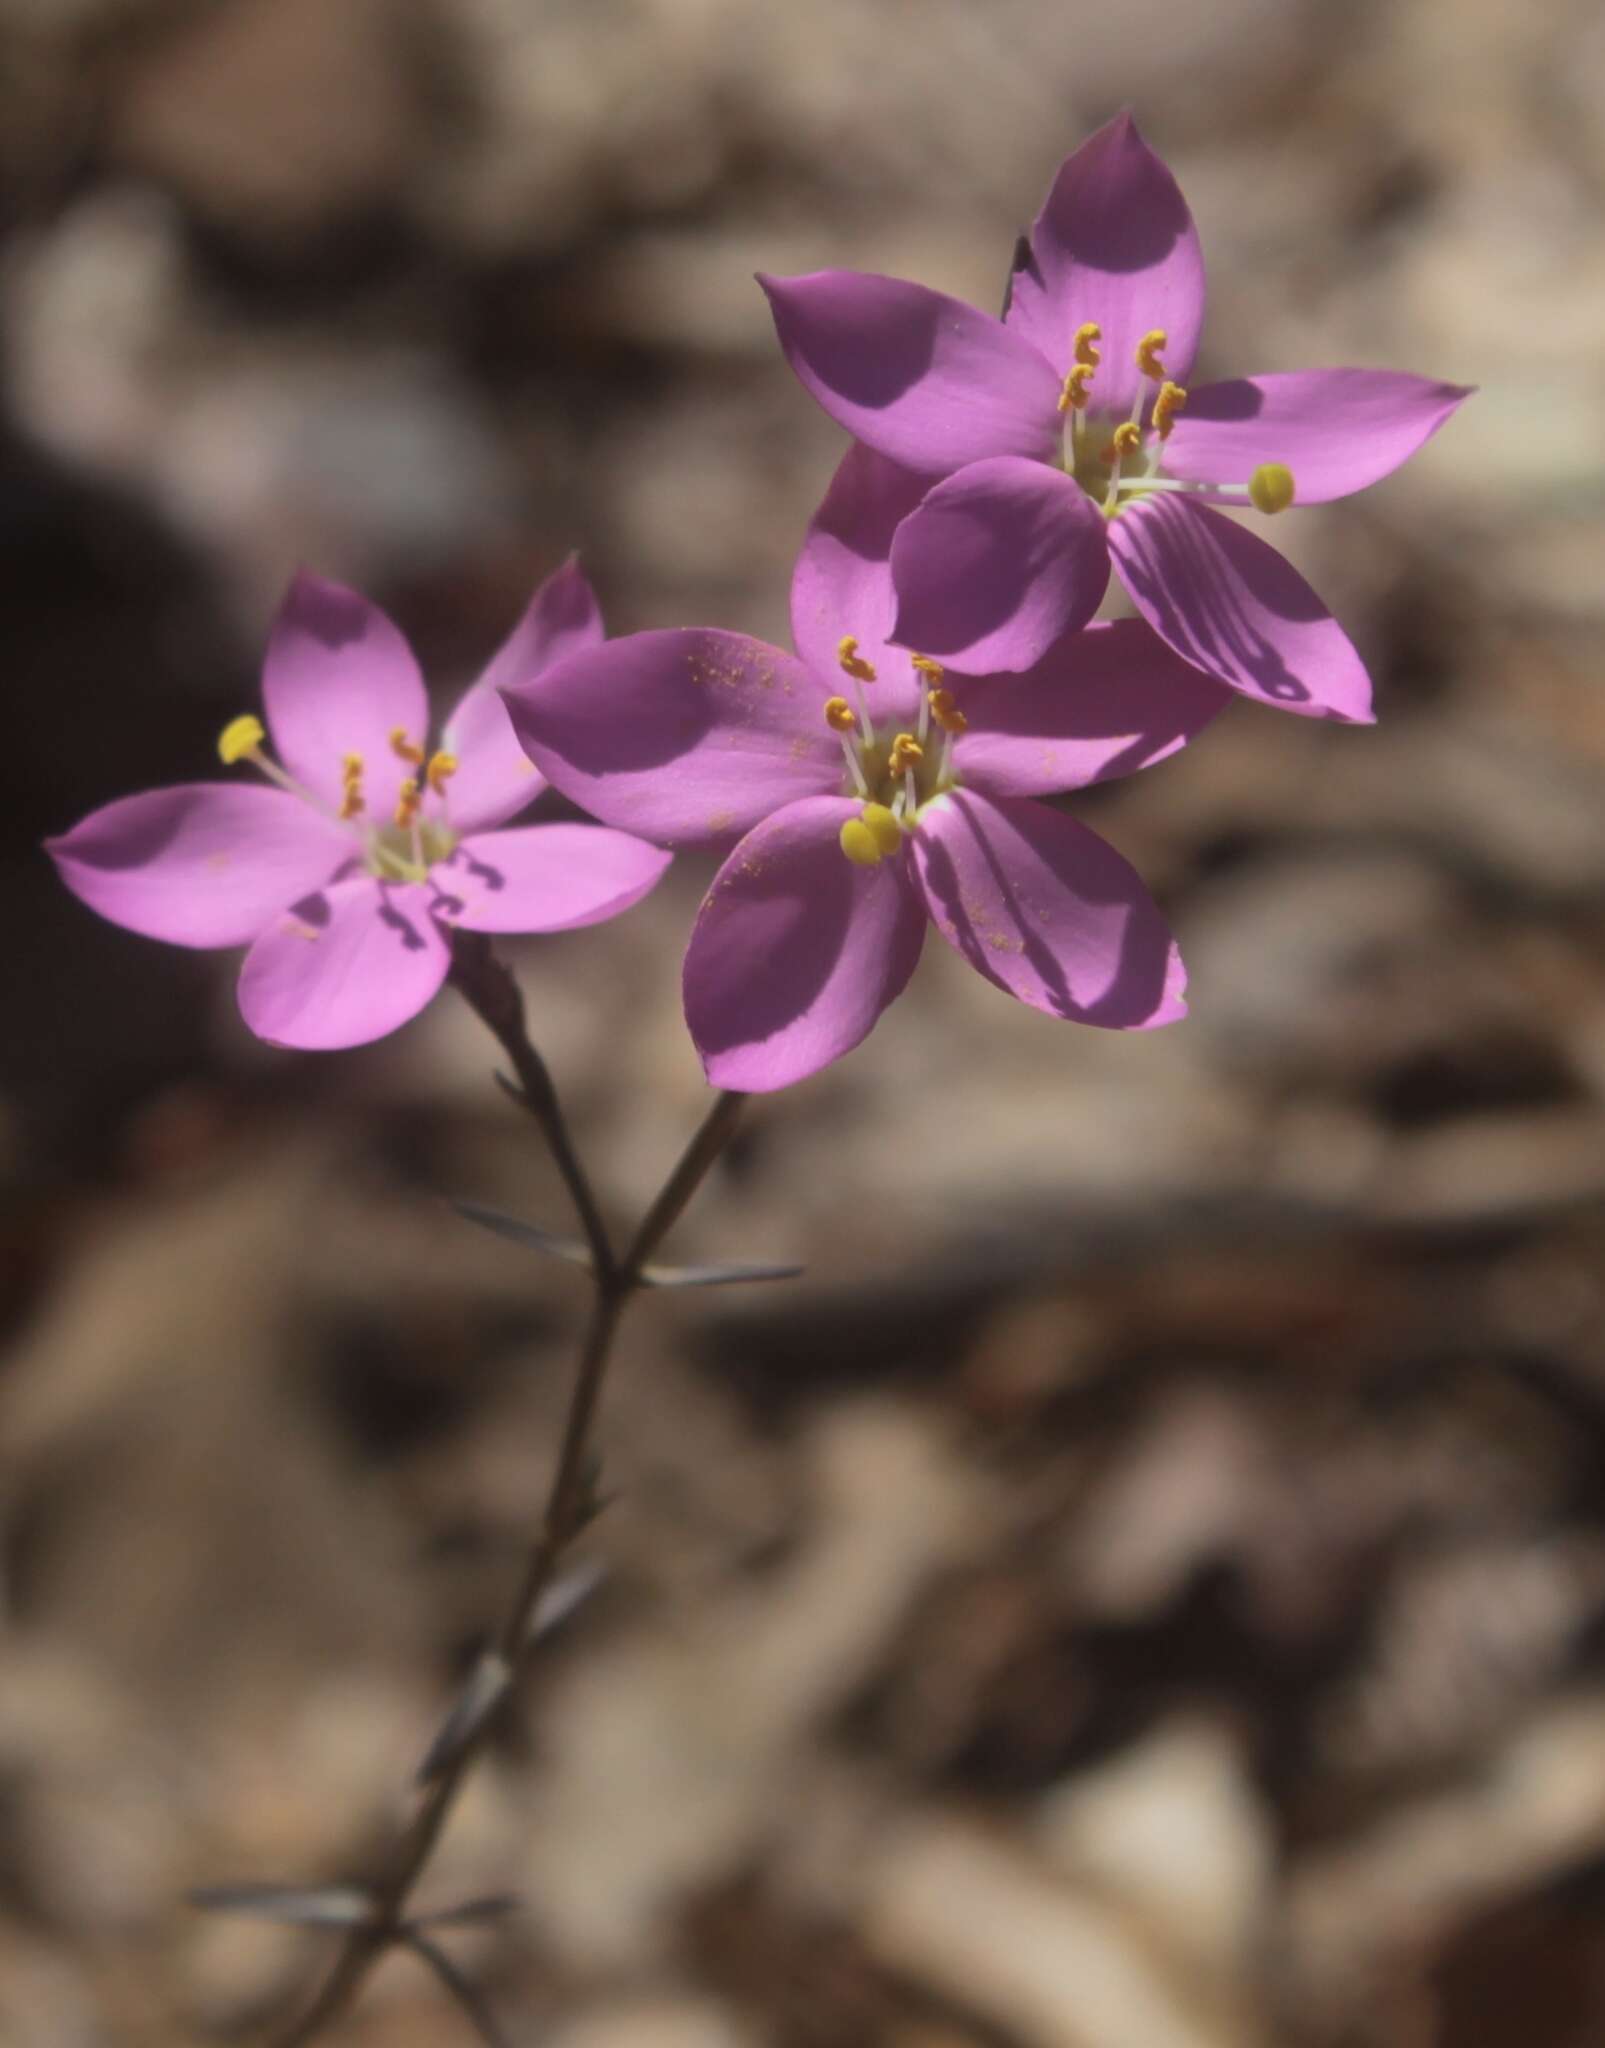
x=869, y=793
x=1066, y=437
x=345, y=876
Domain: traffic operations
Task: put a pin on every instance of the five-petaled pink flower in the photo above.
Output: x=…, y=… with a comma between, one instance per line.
x=874, y=792
x=345, y=877
x=1065, y=435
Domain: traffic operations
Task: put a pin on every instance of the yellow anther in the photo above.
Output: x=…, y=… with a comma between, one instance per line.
x=240, y=738
x=1270, y=488
x=1170, y=401
x=441, y=768
x=1127, y=440
x=351, y=778
x=407, y=801
x=1074, y=395
x=906, y=753
x=860, y=845
x=1086, y=334
x=933, y=671
x=945, y=710
x=350, y=769
x=851, y=661
x=840, y=715
x=404, y=749
x=884, y=829
x=1148, y=352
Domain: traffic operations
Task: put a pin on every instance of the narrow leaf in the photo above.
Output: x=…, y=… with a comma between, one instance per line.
x=529, y=1235
x=714, y=1276
x=482, y=1693
x=471, y=1913
x=329, y=1905
x=564, y=1595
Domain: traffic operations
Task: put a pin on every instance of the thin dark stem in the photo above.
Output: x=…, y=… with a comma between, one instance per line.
x=717, y=1129
x=461, y=1986
x=488, y=987
x=569, y=1504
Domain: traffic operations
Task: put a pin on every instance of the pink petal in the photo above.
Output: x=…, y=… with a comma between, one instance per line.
x=1114, y=243
x=924, y=378
x=203, y=865
x=495, y=778
x=1232, y=606
x=689, y=736
x=796, y=951
x=843, y=580
x=347, y=965
x=1047, y=911
x=339, y=679
x=1336, y=430
x=1100, y=703
x=546, y=878
x=996, y=564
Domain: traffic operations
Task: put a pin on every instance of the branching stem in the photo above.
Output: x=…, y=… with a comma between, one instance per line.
x=494, y=996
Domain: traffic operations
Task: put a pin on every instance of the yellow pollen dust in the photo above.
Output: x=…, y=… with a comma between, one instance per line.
x=1073, y=398
x=1171, y=399
x=945, y=710
x=906, y=753
x=871, y=836
x=407, y=800
x=442, y=767
x=240, y=738
x=840, y=715
x=1270, y=488
x=404, y=749
x=852, y=663
x=1086, y=334
x=1148, y=352
x=351, y=780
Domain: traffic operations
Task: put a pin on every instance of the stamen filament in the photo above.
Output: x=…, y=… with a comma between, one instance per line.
x=1127, y=440
x=854, y=765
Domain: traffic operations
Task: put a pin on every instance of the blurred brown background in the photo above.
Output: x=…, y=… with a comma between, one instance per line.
x=1144, y=1588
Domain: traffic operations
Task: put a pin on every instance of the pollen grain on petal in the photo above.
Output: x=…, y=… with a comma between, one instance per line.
x=884, y=827
x=1148, y=352
x=240, y=738
x=852, y=662
x=1270, y=488
x=860, y=845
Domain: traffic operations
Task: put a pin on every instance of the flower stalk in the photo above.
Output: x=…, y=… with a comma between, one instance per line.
x=492, y=993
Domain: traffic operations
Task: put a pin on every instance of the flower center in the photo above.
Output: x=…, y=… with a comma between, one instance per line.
x=401, y=849
x=1116, y=462
x=896, y=773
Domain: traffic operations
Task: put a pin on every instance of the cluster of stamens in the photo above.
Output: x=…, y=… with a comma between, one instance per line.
x=896, y=775
x=1106, y=475
x=243, y=739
